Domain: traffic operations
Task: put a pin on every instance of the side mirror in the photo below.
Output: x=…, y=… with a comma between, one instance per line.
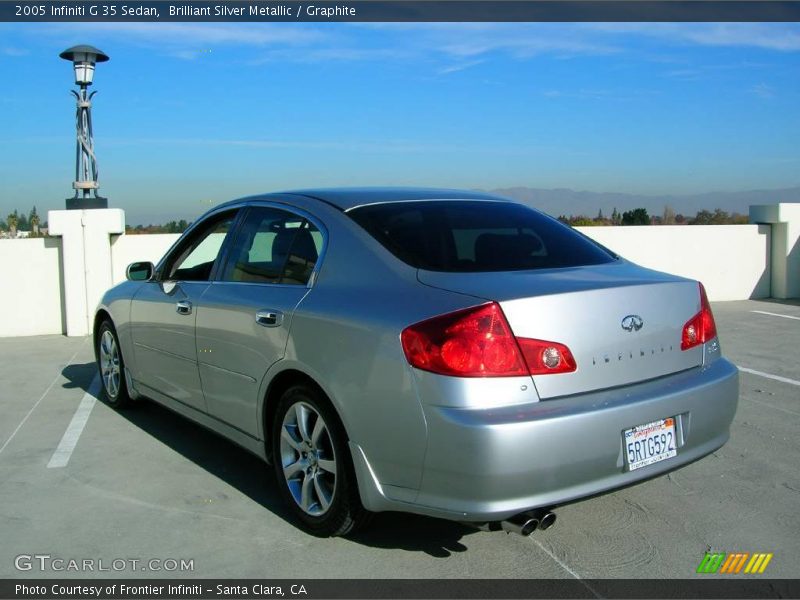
x=140, y=271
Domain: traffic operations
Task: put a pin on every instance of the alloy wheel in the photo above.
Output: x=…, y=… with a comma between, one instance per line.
x=109, y=363
x=308, y=459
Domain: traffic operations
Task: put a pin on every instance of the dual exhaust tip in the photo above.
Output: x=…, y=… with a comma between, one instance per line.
x=525, y=523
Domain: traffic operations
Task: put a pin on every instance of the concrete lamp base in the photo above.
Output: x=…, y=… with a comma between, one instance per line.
x=86, y=255
x=784, y=218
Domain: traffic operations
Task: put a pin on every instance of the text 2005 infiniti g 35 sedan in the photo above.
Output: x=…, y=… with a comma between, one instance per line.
x=441, y=352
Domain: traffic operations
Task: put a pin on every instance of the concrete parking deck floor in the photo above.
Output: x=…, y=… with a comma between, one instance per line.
x=145, y=484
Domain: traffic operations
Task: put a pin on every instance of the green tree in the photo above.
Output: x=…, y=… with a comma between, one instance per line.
x=703, y=217
x=615, y=218
x=637, y=216
x=737, y=219
x=720, y=217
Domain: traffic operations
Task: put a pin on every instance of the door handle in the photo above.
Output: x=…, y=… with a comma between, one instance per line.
x=184, y=307
x=269, y=318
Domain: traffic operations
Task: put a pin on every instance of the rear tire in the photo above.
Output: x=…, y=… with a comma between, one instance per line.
x=313, y=465
x=111, y=367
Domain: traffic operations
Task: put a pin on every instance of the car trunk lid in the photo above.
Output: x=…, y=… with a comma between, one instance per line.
x=623, y=323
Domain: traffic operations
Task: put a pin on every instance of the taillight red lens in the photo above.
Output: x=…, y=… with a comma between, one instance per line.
x=701, y=328
x=478, y=342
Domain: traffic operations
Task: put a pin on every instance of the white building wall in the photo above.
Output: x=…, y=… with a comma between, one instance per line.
x=31, y=287
x=732, y=261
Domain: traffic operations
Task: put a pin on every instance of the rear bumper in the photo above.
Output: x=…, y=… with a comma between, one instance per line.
x=490, y=464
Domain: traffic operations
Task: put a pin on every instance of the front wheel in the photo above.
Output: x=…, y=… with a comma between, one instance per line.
x=313, y=466
x=111, y=366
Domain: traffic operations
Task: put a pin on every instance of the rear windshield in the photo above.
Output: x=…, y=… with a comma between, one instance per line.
x=472, y=236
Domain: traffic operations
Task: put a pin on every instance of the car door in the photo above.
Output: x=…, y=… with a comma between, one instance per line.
x=164, y=311
x=245, y=315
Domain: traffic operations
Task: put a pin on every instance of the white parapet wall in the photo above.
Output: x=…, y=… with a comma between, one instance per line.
x=732, y=261
x=31, y=293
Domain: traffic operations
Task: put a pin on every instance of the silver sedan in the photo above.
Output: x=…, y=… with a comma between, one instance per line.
x=441, y=352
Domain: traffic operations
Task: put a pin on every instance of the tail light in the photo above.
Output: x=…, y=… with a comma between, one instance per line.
x=478, y=342
x=701, y=328
x=545, y=357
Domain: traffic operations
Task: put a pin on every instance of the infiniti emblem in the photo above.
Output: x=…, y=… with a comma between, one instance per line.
x=632, y=323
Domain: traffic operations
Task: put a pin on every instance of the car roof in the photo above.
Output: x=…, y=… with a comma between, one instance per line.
x=347, y=198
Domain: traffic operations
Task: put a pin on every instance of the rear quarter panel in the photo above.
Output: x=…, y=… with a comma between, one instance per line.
x=346, y=335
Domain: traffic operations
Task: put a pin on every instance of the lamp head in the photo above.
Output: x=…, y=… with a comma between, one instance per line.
x=84, y=58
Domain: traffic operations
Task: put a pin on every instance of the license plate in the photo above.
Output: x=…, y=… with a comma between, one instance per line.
x=650, y=443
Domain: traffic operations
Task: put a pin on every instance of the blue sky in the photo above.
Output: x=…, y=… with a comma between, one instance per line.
x=189, y=115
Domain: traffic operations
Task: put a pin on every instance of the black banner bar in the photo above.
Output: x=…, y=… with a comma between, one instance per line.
x=313, y=589
x=403, y=11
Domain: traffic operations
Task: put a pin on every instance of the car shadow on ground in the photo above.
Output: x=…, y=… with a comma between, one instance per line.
x=414, y=533
x=79, y=376
x=251, y=476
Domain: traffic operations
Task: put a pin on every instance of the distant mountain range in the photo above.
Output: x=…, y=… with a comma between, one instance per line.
x=570, y=202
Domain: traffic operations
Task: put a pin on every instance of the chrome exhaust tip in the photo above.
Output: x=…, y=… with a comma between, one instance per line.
x=524, y=524
x=547, y=520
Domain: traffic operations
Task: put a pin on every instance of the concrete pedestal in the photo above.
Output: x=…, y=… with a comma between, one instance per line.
x=785, y=256
x=86, y=248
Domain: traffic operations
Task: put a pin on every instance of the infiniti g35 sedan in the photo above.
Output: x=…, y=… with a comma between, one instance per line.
x=440, y=352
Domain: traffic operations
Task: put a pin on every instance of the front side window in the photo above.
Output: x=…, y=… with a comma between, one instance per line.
x=476, y=236
x=274, y=246
x=194, y=259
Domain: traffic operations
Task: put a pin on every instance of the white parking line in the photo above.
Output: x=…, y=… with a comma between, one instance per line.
x=763, y=312
x=71, y=436
x=47, y=391
x=770, y=376
x=566, y=567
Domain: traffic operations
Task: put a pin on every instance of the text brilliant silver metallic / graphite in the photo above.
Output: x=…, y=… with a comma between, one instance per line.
x=278, y=10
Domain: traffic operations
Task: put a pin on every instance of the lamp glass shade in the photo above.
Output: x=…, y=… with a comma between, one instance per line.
x=84, y=73
x=84, y=67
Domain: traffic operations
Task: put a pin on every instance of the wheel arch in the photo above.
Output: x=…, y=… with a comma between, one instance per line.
x=281, y=382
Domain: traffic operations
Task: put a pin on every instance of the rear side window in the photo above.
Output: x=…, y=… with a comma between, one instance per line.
x=273, y=246
x=473, y=236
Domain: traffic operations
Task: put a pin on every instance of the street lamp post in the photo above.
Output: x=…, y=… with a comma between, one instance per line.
x=85, y=185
